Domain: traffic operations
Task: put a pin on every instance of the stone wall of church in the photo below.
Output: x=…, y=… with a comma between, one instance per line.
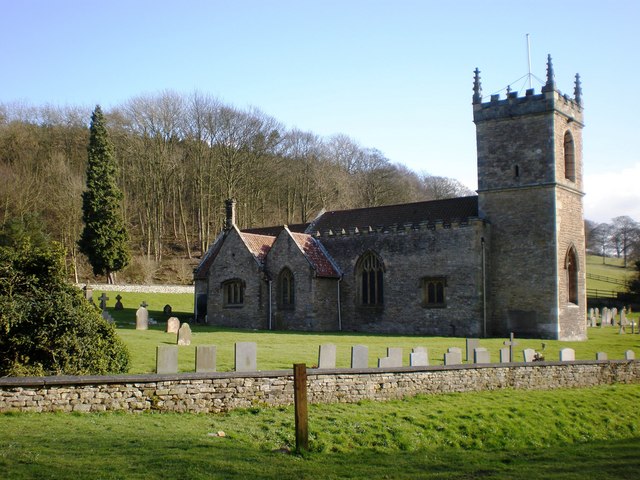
x=234, y=261
x=452, y=252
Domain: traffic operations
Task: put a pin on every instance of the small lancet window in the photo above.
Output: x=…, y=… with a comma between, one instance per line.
x=571, y=267
x=569, y=157
x=516, y=171
x=233, y=293
x=433, y=292
x=286, y=292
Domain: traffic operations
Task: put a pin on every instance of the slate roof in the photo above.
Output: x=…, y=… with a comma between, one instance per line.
x=448, y=210
x=275, y=231
x=316, y=255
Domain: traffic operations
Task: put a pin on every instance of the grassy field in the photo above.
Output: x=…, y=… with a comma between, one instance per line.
x=564, y=434
x=610, y=267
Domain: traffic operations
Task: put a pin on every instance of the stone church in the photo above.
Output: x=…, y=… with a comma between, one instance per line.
x=511, y=259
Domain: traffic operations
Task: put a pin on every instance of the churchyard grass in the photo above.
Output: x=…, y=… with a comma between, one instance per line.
x=560, y=434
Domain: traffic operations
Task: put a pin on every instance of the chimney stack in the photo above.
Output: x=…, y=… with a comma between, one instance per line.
x=230, y=209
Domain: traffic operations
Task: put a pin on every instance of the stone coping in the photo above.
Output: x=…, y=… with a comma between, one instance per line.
x=153, y=377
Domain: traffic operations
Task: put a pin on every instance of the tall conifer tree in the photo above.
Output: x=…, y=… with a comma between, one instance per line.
x=104, y=238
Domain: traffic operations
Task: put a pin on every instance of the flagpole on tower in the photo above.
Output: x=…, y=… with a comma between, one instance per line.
x=529, y=59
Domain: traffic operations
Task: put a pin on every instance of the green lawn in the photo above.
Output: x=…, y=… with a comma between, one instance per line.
x=560, y=434
x=612, y=268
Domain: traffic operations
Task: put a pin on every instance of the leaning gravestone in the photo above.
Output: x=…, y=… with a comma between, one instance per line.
x=142, y=317
x=184, y=334
x=393, y=358
x=419, y=357
x=453, y=356
x=481, y=355
x=246, y=357
x=359, y=356
x=567, y=355
x=173, y=325
x=529, y=355
x=205, y=358
x=472, y=344
x=166, y=359
x=327, y=356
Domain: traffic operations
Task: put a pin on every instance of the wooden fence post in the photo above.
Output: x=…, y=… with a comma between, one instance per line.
x=300, y=400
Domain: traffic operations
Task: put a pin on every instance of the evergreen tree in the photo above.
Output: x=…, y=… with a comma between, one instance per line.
x=104, y=238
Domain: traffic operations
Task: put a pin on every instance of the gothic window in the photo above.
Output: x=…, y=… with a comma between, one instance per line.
x=233, y=293
x=433, y=292
x=569, y=157
x=571, y=267
x=370, y=276
x=286, y=291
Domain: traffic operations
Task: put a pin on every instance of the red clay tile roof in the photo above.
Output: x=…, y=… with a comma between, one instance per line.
x=448, y=210
x=316, y=254
x=258, y=245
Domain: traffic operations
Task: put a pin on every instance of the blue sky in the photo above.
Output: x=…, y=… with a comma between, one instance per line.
x=393, y=75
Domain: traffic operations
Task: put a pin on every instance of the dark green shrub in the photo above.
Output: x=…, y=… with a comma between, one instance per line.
x=46, y=326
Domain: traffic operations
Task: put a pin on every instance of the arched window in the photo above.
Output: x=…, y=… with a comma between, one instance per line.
x=569, y=157
x=370, y=276
x=286, y=290
x=233, y=293
x=571, y=267
x=433, y=291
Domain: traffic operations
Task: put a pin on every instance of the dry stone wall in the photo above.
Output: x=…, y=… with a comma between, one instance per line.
x=219, y=392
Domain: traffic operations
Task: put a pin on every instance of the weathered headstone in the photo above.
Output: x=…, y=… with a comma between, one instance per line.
x=359, y=356
x=453, y=356
x=103, y=301
x=166, y=359
x=246, y=357
x=184, y=335
x=206, y=358
x=505, y=355
x=419, y=357
x=393, y=358
x=567, y=355
x=601, y=356
x=529, y=354
x=327, y=356
x=119, y=305
x=88, y=293
x=173, y=325
x=629, y=355
x=511, y=343
x=472, y=344
x=167, y=310
x=142, y=317
x=107, y=316
x=481, y=355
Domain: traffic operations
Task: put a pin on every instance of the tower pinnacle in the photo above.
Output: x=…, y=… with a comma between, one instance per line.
x=577, y=91
x=550, y=86
x=477, y=88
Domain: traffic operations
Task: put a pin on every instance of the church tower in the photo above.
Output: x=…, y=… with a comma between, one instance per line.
x=530, y=191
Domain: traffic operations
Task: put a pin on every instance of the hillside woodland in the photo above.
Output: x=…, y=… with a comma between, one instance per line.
x=179, y=157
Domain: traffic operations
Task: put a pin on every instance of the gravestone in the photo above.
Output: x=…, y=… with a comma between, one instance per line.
x=119, y=305
x=88, y=293
x=601, y=356
x=629, y=355
x=505, y=355
x=167, y=310
x=205, y=358
x=103, y=301
x=453, y=356
x=511, y=343
x=419, y=357
x=246, y=357
x=173, y=325
x=184, y=335
x=166, y=359
x=567, y=355
x=142, y=317
x=327, y=356
x=359, y=356
x=393, y=358
x=529, y=354
x=107, y=316
x=472, y=344
x=481, y=355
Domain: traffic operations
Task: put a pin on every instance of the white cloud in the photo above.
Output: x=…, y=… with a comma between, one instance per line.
x=612, y=194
